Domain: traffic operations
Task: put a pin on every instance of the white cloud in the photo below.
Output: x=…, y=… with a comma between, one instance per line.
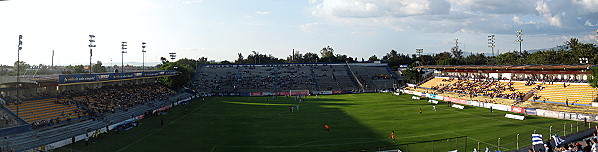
x=379, y=8
x=592, y=38
x=544, y=10
x=310, y=27
x=264, y=12
x=517, y=20
x=472, y=16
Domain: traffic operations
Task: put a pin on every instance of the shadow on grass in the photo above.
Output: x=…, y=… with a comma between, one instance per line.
x=216, y=126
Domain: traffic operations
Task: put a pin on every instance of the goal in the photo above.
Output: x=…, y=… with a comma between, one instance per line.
x=298, y=92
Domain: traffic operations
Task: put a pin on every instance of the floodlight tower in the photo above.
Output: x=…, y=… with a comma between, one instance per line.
x=172, y=56
x=491, y=43
x=457, y=44
x=519, y=39
x=419, y=53
x=122, y=62
x=19, y=58
x=91, y=45
x=19, y=70
x=143, y=58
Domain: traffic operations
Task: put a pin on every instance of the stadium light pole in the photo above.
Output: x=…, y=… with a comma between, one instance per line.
x=172, y=56
x=457, y=43
x=491, y=43
x=19, y=71
x=91, y=45
x=143, y=58
x=519, y=39
x=419, y=54
x=122, y=57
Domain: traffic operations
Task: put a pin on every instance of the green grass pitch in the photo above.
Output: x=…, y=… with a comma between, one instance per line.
x=357, y=121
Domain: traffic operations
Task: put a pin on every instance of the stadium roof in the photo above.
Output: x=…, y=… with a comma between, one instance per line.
x=508, y=67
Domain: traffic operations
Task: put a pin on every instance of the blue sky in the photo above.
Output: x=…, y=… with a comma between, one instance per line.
x=219, y=29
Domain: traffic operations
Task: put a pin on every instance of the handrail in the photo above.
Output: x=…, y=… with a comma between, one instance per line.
x=355, y=77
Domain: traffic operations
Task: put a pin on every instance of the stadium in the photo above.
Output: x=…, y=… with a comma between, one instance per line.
x=282, y=107
x=262, y=76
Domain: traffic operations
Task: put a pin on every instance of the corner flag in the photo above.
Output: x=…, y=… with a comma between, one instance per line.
x=557, y=140
x=537, y=139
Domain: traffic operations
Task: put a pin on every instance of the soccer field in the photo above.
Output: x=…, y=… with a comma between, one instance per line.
x=357, y=122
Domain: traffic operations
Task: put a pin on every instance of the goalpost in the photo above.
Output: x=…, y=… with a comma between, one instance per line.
x=298, y=92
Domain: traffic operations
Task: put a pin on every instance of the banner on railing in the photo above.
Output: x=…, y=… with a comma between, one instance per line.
x=551, y=114
x=73, y=78
x=517, y=109
x=540, y=112
x=530, y=111
x=439, y=97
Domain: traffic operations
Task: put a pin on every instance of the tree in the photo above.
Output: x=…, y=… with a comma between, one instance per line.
x=98, y=68
x=449, y=61
x=395, y=59
x=476, y=59
x=412, y=75
x=164, y=60
x=295, y=58
x=373, y=58
x=225, y=62
x=190, y=63
x=21, y=66
x=509, y=58
x=441, y=56
x=240, y=59
x=327, y=52
x=310, y=57
x=457, y=53
x=593, y=78
x=74, y=69
x=184, y=74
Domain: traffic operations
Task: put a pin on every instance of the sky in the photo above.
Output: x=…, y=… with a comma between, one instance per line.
x=219, y=29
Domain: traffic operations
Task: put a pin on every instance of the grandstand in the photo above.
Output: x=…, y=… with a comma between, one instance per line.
x=60, y=107
x=285, y=77
x=546, y=86
x=43, y=109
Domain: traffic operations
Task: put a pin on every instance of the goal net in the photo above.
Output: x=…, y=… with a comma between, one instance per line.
x=298, y=92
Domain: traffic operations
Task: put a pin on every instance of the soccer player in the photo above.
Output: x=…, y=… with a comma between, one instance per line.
x=392, y=136
x=326, y=127
x=297, y=107
x=420, y=111
x=434, y=107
